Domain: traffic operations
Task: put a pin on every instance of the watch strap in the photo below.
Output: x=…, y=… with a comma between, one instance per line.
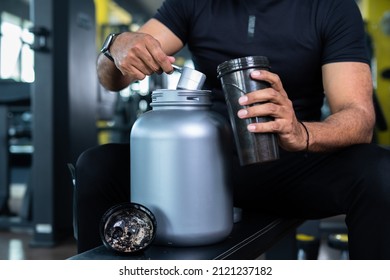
x=108, y=55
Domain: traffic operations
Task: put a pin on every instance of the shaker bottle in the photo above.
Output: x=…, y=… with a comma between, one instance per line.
x=235, y=78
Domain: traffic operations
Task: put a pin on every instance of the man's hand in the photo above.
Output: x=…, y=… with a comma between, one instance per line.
x=139, y=55
x=275, y=103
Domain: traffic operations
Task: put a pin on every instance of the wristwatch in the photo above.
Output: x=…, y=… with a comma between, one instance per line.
x=107, y=44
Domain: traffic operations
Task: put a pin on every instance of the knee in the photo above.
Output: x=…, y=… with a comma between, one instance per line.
x=101, y=158
x=376, y=163
x=101, y=163
x=375, y=173
x=90, y=157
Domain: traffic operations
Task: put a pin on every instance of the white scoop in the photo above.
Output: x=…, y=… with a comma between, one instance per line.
x=190, y=79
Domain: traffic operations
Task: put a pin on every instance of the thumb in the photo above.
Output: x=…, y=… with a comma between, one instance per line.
x=172, y=59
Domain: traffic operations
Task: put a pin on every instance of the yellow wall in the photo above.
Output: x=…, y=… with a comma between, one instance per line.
x=373, y=11
x=108, y=16
x=109, y=13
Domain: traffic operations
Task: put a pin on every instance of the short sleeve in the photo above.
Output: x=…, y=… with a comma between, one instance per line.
x=176, y=15
x=343, y=33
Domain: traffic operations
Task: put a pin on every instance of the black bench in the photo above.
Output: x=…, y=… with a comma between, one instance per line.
x=250, y=238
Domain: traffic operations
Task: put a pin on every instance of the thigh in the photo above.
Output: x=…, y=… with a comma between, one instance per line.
x=315, y=185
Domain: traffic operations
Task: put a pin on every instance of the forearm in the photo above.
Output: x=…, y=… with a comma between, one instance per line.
x=347, y=127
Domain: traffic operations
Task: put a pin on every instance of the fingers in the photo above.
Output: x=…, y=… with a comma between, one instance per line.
x=261, y=96
x=266, y=102
x=270, y=102
x=157, y=60
x=139, y=55
x=281, y=123
x=269, y=77
x=268, y=109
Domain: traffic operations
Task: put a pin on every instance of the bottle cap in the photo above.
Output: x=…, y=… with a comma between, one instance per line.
x=128, y=228
x=242, y=63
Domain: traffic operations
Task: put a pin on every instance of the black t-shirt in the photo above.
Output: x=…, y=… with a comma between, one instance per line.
x=297, y=36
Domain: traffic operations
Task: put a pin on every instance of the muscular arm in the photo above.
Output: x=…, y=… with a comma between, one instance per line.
x=348, y=88
x=137, y=54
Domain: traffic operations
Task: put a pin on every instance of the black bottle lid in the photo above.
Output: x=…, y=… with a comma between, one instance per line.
x=242, y=63
x=128, y=228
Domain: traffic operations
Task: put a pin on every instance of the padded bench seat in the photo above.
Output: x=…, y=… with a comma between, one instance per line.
x=250, y=238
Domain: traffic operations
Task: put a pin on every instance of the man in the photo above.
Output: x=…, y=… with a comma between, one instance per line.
x=316, y=48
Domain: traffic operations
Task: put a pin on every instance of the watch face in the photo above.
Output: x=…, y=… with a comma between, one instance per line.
x=107, y=43
x=106, y=46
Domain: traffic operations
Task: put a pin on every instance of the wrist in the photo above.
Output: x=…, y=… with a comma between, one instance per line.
x=306, y=136
x=108, y=42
